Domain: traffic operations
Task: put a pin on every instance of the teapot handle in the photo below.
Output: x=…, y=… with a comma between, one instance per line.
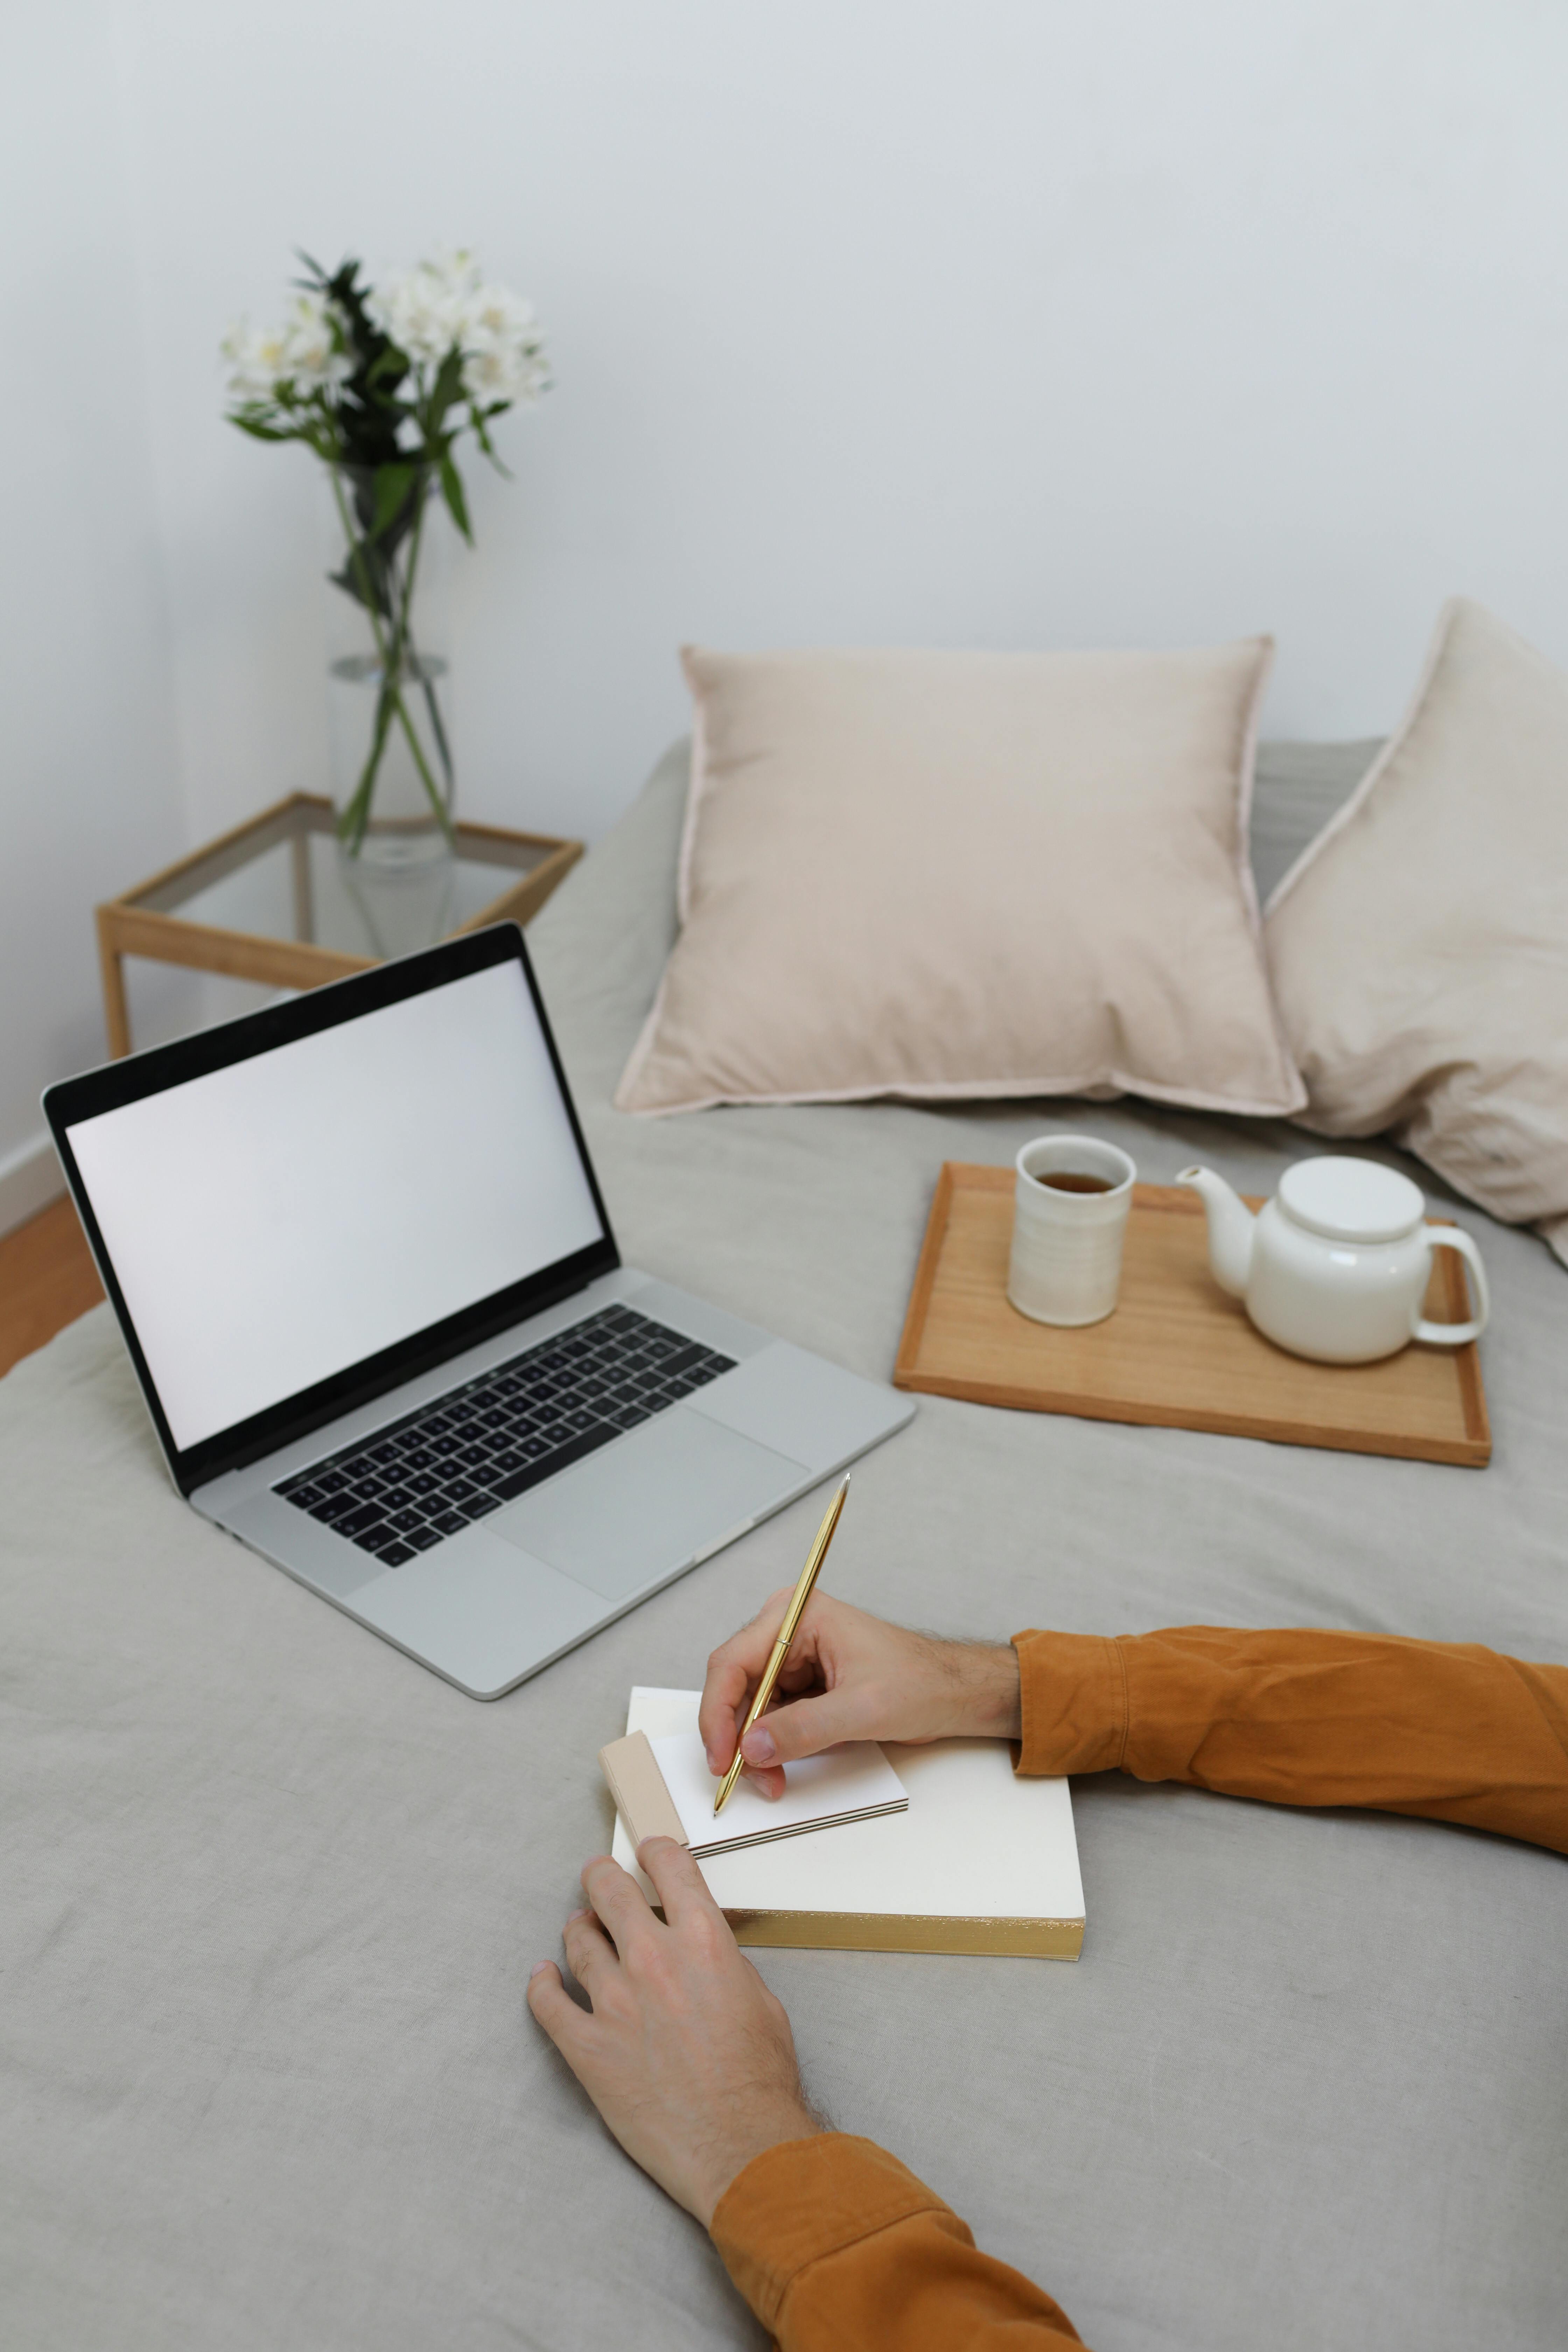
x=1453, y=1335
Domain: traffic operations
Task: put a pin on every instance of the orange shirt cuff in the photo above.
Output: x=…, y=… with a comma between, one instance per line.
x=804, y=2199
x=1073, y=1688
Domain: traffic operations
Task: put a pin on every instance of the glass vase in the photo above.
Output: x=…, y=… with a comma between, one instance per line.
x=393, y=782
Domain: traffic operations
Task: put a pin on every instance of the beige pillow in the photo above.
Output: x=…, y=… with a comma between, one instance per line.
x=968, y=873
x=1420, y=946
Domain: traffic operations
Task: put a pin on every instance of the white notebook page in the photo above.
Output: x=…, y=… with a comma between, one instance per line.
x=849, y=1783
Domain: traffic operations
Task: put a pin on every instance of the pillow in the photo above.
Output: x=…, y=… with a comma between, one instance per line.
x=1420, y=946
x=966, y=874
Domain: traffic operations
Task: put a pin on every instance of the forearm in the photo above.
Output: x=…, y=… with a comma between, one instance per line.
x=834, y=2244
x=1451, y=1732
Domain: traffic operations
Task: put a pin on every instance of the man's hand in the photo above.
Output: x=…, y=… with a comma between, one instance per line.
x=851, y=1676
x=687, y=2054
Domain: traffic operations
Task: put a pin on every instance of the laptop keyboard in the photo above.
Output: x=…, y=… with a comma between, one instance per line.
x=401, y=1490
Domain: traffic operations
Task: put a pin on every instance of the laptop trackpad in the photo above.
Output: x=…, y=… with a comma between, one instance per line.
x=640, y=1508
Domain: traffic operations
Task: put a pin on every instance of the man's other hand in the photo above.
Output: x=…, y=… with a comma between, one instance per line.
x=851, y=1676
x=684, y=2050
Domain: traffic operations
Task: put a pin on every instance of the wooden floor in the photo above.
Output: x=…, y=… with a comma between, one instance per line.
x=46, y=1280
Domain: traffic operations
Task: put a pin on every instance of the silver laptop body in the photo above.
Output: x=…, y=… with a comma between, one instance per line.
x=365, y=1276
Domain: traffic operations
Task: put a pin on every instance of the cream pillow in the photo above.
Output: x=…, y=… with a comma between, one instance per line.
x=1420, y=946
x=967, y=874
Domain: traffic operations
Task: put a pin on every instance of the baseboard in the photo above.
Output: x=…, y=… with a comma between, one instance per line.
x=31, y=1178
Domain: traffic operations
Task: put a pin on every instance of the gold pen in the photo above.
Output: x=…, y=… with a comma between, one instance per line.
x=775, y=1667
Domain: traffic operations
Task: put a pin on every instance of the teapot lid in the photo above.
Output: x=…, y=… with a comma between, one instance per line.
x=1351, y=1199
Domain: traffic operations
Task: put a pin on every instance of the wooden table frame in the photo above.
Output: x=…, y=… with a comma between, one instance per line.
x=142, y=922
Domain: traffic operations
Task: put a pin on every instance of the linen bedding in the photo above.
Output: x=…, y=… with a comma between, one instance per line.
x=271, y=1891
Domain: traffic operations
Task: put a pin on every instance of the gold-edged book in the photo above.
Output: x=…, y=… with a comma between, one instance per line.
x=981, y=1861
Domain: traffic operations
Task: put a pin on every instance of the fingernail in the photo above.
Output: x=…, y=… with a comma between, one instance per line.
x=584, y=1914
x=537, y=1969
x=758, y=1746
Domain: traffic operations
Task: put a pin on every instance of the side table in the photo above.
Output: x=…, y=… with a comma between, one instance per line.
x=284, y=919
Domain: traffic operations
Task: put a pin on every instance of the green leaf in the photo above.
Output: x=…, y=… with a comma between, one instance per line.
x=452, y=490
x=446, y=387
x=260, y=432
x=477, y=417
x=393, y=484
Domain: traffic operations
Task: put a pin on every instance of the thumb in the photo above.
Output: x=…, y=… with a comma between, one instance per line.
x=556, y=2009
x=805, y=1727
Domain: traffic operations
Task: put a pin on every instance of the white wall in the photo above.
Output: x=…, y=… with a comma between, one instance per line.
x=999, y=321
x=90, y=793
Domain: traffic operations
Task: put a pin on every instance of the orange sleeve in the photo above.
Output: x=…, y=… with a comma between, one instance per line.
x=1447, y=1730
x=838, y=2248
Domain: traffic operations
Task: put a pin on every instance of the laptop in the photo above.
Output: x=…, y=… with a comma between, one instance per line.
x=364, y=1271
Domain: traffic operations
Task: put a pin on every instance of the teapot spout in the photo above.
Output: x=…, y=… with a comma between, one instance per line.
x=1231, y=1228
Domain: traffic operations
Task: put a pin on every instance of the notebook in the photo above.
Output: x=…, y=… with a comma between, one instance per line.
x=977, y=1861
x=854, y=1782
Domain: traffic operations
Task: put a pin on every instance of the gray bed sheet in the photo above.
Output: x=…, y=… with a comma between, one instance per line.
x=271, y=1892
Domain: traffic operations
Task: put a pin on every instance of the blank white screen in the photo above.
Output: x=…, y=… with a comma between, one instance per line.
x=277, y=1221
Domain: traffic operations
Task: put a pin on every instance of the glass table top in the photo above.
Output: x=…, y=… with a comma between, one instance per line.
x=284, y=880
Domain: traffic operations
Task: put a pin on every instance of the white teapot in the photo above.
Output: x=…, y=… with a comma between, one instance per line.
x=1336, y=1266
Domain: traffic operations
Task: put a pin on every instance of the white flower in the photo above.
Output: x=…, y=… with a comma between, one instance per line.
x=456, y=268
x=421, y=310
x=505, y=376
x=257, y=357
x=505, y=370
x=493, y=315
x=444, y=305
x=315, y=364
x=503, y=348
x=300, y=354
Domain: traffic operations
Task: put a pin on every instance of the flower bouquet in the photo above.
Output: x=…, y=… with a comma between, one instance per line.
x=382, y=381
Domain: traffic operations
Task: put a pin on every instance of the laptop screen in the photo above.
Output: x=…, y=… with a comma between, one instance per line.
x=275, y=1222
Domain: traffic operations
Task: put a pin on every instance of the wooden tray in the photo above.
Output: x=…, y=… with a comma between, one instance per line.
x=1177, y=1352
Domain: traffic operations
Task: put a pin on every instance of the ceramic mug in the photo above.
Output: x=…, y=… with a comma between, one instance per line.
x=1066, y=1266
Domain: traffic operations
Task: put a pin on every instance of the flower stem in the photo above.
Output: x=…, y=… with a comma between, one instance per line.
x=403, y=643
x=356, y=818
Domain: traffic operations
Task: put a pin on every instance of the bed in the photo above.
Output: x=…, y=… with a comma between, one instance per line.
x=272, y=1891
